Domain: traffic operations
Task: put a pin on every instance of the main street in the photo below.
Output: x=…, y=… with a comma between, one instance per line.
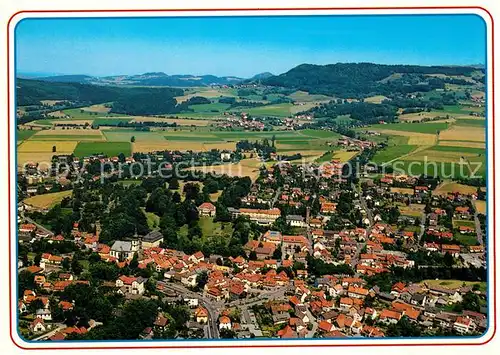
x=213, y=314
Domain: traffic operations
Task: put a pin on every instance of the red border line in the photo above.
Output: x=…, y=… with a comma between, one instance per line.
x=491, y=320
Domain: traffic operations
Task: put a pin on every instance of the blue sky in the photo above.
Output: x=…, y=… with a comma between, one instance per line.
x=243, y=46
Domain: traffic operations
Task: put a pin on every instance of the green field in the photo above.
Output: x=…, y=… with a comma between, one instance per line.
x=110, y=149
x=471, y=122
x=443, y=148
x=463, y=223
x=393, y=152
x=125, y=135
x=67, y=137
x=277, y=110
x=432, y=128
x=24, y=134
x=469, y=239
x=110, y=121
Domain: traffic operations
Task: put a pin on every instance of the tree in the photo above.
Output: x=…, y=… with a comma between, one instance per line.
x=277, y=253
x=76, y=266
x=134, y=263
x=252, y=255
x=65, y=264
x=25, y=281
x=37, y=259
x=132, y=139
x=173, y=184
x=54, y=149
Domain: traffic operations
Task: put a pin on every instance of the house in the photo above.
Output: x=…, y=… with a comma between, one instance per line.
x=357, y=292
x=152, y=239
x=189, y=279
x=296, y=221
x=160, y=323
x=207, y=209
x=452, y=249
x=44, y=314
x=124, y=250
x=192, y=302
x=262, y=217
x=38, y=325
x=132, y=285
x=201, y=314
x=225, y=323
x=387, y=316
x=464, y=325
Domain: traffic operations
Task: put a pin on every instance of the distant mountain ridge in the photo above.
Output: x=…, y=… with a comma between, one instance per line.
x=146, y=79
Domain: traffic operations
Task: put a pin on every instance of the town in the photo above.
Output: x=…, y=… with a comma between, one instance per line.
x=301, y=252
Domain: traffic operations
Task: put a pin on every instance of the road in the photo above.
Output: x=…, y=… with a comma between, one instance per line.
x=276, y=196
x=39, y=226
x=213, y=315
x=479, y=232
x=314, y=322
x=363, y=204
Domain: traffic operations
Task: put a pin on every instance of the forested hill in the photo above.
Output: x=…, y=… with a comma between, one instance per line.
x=134, y=101
x=357, y=80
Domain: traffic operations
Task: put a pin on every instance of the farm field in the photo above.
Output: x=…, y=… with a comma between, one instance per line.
x=46, y=201
x=464, y=133
x=303, y=96
x=413, y=210
x=480, y=206
x=24, y=134
x=376, y=99
x=125, y=135
x=69, y=134
x=111, y=149
x=278, y=110
x=246, y=167
x=341, y=155
x=430, y=128
x=179, y=121
x=451, y=187
x=100, y=108
x=402, y=190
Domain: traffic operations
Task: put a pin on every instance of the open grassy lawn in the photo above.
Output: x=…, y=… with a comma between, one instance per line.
x=466, y=239
x=129, y=182
x=402, y=190
x=153, y=219
x=110, y=149
x=211, y=228
x=463, y=223
x=24, y=134
x=47, y=201
x=455, y=284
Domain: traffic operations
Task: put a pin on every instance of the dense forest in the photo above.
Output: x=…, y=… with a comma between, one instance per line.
x=133, y=101
x=357, y=80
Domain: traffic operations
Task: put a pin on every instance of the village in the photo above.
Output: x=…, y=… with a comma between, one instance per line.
x=331, y=258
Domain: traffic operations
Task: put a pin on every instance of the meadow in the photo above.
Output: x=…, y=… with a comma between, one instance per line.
x=46, y=201
x=110, y=149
